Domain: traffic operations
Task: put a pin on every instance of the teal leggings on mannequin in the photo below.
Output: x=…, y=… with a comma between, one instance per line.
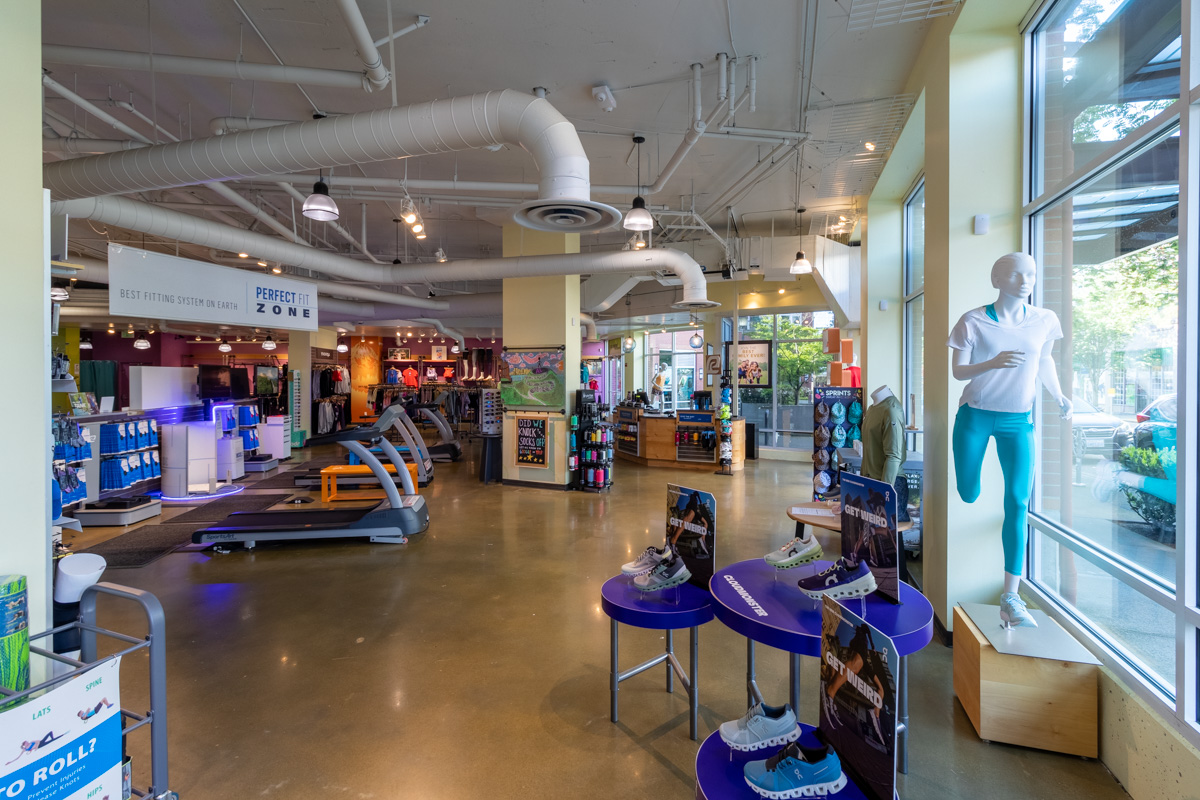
x=1014, y=444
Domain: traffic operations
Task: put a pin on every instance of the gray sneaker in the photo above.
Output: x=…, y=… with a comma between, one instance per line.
x=796, y=552
x=1013, y=612
x=666, y=575
x=762, y=726
x=650, y=558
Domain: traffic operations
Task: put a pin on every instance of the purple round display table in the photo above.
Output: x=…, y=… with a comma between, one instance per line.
x=719, y=773
x=685, y=606
x=765, y=605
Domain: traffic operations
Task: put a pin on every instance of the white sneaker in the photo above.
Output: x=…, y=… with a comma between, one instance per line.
x=1105, y=484
x=650, y=558
x=666, y=575
x=761, y=726
x=1014, y=613
x=796, y=552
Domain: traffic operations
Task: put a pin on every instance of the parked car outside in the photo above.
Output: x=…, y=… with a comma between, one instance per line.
x=1156, y=423
x=1095, y=432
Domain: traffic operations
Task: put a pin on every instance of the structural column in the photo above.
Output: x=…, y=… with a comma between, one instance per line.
x=542, y=313
x=300, y=344
x=24, y=305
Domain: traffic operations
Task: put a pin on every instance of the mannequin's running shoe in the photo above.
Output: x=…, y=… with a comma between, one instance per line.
x=1014, y=613
x=796, y=552
x=761, y=726
x=829, y=707
x=650, y=558
x=667, y=574
x=840, y=580
x=797, y=771
x=1105, y=484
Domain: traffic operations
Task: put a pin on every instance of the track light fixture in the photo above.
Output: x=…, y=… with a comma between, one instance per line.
x=440, y=254
x=408, y=211
x=276, y=269
x=638, y=218
x=268, y=343
x=320, y=205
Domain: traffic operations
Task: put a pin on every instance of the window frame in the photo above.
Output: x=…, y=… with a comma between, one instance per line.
x=911, y=294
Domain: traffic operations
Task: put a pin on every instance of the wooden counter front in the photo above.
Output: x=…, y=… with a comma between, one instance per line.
x=657, y=445
x=658, y=438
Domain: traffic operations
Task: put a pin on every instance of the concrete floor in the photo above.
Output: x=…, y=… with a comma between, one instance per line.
x=473, y=662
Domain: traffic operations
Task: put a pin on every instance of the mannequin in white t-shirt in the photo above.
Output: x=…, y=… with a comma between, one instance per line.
x=1005, y=351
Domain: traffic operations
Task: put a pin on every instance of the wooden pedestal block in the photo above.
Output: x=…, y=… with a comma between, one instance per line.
x=1033, y=702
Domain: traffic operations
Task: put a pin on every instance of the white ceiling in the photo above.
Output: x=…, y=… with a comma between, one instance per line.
x=643, y=51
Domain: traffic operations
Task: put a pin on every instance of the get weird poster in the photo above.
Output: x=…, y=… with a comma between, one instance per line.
x=536, y=379
x=692, y=530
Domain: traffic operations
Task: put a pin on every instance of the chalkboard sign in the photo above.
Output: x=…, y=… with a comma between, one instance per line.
x=531, y=441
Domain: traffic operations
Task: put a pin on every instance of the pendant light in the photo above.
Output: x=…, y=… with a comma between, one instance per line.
x=397, y=260
x=628, y=344
x=85, y=341
x=320, y=205
x=801, y=266
x=59, y=294
x=141, y=342
x=268, y=343
x=343, y=347
x=638, y=218
x=454, y=348
x=225, y=347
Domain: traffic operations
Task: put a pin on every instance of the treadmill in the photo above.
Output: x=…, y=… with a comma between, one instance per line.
x=414, y=445
x=448, y=449
x=391, y=520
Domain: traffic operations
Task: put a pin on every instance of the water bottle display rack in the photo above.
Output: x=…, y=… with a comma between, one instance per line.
x=154, y=642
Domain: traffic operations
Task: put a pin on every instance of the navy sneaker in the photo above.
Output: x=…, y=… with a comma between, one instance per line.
x=797, y=771
x=841, y=580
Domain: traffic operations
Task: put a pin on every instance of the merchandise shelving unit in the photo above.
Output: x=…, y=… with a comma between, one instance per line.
x=627, y=432
x=692, y=444
x=596, y=440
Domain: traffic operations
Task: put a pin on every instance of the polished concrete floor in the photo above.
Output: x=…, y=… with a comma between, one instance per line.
x=473, y=662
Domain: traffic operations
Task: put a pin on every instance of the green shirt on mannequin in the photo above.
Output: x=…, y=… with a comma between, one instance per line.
x=883, y=440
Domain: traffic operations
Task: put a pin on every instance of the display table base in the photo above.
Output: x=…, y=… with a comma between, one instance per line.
x=720, y=776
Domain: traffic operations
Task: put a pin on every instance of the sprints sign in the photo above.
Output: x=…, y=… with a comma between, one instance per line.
x=158, y=286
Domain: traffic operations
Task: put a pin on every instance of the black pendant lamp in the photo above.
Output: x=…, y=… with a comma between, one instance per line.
x=639, y=218
x=320, y=205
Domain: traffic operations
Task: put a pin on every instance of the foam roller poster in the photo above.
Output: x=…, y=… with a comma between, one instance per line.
x=858, y=699
x=65, y=744
x=837, y=421
x=692, y=530
x=869, y=530
x=533, y=379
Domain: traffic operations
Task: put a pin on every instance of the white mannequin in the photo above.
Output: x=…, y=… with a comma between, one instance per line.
x=881, y=394
x=1014, y=277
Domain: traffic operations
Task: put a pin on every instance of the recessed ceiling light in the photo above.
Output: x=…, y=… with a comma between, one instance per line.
x=781, y=291
x=870, y=146
x=262, y=263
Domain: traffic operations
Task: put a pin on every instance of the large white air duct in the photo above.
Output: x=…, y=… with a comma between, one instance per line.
x=461, y=123
x=158, y=221
x=444, y=331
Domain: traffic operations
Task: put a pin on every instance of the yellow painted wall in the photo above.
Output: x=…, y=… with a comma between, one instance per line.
x=67, y=341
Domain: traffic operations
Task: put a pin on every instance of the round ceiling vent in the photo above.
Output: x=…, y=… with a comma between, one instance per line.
x=566, y=216
x=695, y=304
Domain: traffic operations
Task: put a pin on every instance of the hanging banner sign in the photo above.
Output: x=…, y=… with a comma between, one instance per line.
x=65, y=744
x=531, y=442
x=157, y=286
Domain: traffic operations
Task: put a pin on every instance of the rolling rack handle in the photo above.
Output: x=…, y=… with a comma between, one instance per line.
x=156, y=638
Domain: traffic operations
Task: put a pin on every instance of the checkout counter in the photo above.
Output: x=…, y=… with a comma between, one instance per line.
x=687, y=439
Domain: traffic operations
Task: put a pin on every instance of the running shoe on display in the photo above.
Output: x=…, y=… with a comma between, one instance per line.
x=666, y=575
x=1105, y=483
x=840, y=581
x=1014, y=613
x=797, y=771
x=650, y=558
x=796, y=552
x=761, y=726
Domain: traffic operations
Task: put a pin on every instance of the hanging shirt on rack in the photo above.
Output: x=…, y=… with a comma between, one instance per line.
x=448, y=374
x=410, y=377
x=431, y=373
x=392, y=376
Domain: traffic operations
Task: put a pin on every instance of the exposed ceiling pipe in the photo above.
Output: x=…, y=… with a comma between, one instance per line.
x=295, y=194
x=753, y=82
x=158, y=221
x=732, y=85
x=589, y=326
x=422, y=21
x=696, y=92
x=77, y=146
x=222, y=125
x=747, y=179
x=463, y=123
x=92, y=109
x=245, y=205
x=722, y=85
x=205, y=67
x=442, y=329
x=367, y=52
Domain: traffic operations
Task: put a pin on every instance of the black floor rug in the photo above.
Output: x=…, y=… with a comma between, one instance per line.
x=284, y=480
x=145, y=545
x=221, y=508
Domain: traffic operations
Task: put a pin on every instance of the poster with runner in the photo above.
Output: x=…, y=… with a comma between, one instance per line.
x=869, y=530
x=692, y=530
x=533, y=379
x=65, y=744
x=858, y=699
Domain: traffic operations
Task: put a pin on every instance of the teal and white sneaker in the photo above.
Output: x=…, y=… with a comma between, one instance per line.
x=650, y=558
x=666, y=575
x=761, y=726
x=796, y=552
x=1014, y=613
x=797, y=771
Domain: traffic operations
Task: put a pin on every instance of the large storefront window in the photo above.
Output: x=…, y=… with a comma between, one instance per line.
x=1105, y=230
x=914, y=306
x=673, y=363
x=783, y=412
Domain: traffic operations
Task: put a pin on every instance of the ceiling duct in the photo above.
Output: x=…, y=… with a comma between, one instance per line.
x=157, y=221
x=461, y=123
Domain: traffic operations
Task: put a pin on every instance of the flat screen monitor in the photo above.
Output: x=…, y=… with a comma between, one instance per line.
x=266, y=381
x=240, y=383
x=216, y=382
